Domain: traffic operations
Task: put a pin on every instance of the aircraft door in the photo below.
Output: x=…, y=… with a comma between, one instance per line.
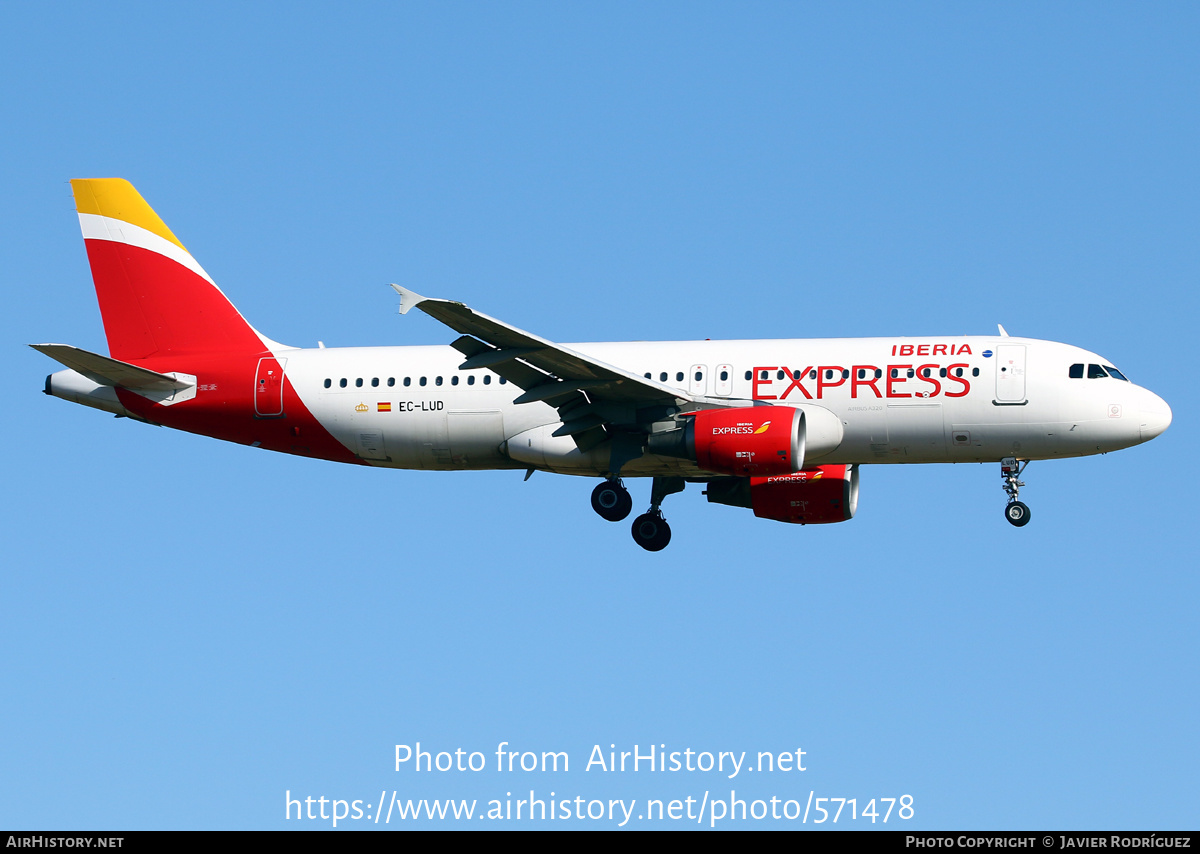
x=268, y=387
x=698, y=379
x=724, y=380
x=1010, y=373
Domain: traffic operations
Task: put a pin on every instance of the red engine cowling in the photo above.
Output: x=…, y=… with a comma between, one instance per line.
x=811, y=497
x=749, y=441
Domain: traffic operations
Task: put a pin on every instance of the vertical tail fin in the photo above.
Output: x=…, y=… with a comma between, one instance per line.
x=155, y=299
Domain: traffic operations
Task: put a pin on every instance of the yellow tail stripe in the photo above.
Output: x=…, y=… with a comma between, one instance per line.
x=116, y=198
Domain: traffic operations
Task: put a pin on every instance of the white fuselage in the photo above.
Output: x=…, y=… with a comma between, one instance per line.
x=892, y=400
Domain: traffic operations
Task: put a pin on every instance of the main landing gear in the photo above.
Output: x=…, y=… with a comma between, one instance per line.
x=650, y=530
x=1016, y=512
x=611, y=501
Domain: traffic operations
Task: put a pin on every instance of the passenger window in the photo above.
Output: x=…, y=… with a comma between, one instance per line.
x=503, y=380
x=454, y=380
x=749, y=375
x=358, y=383
x=487, y=379
x=762, y=375
x=942, y=372
x=1076, y=371
x=699, y=376
x=878, y=373
x=646, y=375
x=796, y=375
x=779, y=375
x=407, y=382
x=925, y=373
x=958, y=372
x=724, y=376
x=438, y=381
x=1095, y=372
x=845, y=374
x=328, y=383
x=895, y=373
x=974, y=372
x=374, y=382
x=679, y=376
x=391, y=381
x=812, y=375
x=911, y=373
x=662, y=378
x=423, y=381
x=342, y=382
x=470, y=379
x=862, y=373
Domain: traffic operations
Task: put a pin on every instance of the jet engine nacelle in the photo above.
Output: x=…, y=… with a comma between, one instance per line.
x=747, y=441
x=813, y=496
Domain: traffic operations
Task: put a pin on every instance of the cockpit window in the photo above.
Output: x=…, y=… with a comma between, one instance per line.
x=1115, y=374
x=1095, y=372
x=1077, y=371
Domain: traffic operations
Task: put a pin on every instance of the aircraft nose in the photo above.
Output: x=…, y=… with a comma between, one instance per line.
x=1156, y=416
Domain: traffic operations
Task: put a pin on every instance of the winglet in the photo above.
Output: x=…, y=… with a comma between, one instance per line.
x=408, y=298
x=1003, y=331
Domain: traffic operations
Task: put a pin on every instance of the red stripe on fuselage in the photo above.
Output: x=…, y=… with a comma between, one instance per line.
x=223, y=408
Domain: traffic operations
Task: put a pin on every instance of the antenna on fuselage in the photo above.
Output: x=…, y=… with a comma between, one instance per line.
x=1003, y=333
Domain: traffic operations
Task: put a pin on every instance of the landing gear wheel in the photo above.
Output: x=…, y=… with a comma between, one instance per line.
x=1017, y=514
x=651, y=532
x=611, y=500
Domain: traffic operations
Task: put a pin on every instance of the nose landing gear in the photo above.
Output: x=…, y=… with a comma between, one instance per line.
x=1016, y=512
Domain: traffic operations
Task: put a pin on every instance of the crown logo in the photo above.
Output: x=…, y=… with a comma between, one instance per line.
x=362, y=407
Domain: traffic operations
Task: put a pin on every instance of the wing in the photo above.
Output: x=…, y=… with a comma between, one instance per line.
x=595, y=401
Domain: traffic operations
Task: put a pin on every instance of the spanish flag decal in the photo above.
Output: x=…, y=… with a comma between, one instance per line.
x=385, y=407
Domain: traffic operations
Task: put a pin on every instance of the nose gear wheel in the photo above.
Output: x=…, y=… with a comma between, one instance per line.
x=1017, y=514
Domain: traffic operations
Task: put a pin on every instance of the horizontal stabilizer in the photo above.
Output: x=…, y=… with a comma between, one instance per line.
x=111, y=372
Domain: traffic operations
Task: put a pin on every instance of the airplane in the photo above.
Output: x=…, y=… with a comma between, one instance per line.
x=781, y=427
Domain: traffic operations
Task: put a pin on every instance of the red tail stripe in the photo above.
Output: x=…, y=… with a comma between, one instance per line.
x=153, y=306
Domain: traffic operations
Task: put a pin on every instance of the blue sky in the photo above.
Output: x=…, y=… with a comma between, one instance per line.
x=192, y=629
